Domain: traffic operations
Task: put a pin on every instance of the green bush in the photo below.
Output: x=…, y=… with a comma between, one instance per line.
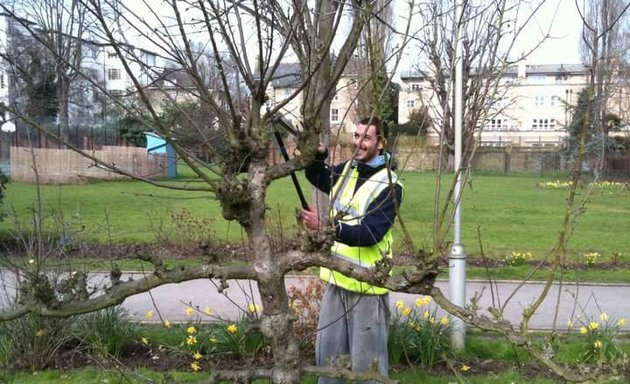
x=34, y=342
x=417, y=335
x=106, y=332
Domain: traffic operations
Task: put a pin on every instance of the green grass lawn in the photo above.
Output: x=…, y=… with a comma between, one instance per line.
x=512, y=213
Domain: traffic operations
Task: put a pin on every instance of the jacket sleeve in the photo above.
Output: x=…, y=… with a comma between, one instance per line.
x=321, y=175
x=379, y=219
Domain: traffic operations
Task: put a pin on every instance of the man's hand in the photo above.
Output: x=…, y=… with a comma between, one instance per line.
x=311, y=220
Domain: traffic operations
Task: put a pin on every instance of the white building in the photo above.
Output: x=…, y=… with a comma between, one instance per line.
x=532, y=108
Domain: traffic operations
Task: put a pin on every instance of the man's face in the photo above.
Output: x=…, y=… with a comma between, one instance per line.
x=367, y=142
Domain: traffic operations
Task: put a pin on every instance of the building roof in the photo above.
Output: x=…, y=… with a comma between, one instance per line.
x=530, y=69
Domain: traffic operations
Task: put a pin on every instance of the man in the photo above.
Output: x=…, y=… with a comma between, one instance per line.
x=365, y=196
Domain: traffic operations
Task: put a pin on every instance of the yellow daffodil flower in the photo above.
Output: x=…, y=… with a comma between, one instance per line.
x=167, y=324
x=253, y=308
x=145, y=341
x=406, y=311
x=214, y=340
x=622, y=322
x=195, y=366
x=149, y=315
x=598, y=344
x=603, y=317
x=191, y=330
x=232, y=328
x=426, y=315
x=570, y=324
x=464, y=368
x=190, y=311
x=593, y=325
x=444, y=320
x=39, y=333
x=207, y=311
x=400, y=304
x=197, y=356
x=191, y=340
x=583, y=330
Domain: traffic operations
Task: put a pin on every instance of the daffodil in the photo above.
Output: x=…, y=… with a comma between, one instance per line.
x=232, y=328
x=406, y=311
x=190, y=311
x=167, y=324
x=426, y=315
x=464, y=368
x=444, y=320
x=207, y=311
x=149, y=315
x=400, y=304
x=145, y=341
x=603, y=317
x=39, y=333
x=197, y=356
x=253, y=308
x=191, y=340
x=583, y=330
x=213, y=340
x=423, y=301
x=598, y=344
x=593, y=325
x=570, y=324
x=191, y=330
x=195, y=366
x=622, y=322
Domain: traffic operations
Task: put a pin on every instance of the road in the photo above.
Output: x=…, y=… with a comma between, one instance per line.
x=170, y=301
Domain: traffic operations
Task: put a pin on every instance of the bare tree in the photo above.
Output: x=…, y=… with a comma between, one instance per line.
x=61, y=27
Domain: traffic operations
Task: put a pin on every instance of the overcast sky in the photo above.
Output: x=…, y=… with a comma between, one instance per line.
x=566, y=29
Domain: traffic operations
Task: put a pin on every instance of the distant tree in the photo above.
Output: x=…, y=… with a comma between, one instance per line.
x=595, y=140
x=131, y=129
x=418, y=124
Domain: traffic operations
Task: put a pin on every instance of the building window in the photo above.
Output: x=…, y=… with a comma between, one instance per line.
x=411, y=103
x=501, y=124
x=334, y=115
x=116, y=93
x=111, y=55
x=113, y=74
x=336, y=97
x=543, y=124
x=554, y=100
x=416, y=87
x=536, y=79
x=149, y=59
x=1, y=80
x=539, y=101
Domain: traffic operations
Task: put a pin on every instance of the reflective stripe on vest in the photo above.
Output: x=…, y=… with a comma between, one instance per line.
x=350, y=208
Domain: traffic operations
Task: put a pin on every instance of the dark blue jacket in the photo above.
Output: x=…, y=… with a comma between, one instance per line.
x=380, y=213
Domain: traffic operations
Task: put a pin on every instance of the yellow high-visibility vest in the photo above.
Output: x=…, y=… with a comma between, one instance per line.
x=352, y=207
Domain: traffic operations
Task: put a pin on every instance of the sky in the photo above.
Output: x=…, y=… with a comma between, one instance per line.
x=562, y=20
x=559, y=19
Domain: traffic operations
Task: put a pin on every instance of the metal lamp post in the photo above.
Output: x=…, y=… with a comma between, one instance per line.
x=457, y=255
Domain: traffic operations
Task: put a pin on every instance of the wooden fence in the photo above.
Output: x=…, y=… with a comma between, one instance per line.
x=64, y=166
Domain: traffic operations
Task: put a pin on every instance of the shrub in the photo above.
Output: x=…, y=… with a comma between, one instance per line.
x=34, y=342
x=518, y=258
x=601, y=344
x=418, y=335
x=305, y=303
x=106, y=331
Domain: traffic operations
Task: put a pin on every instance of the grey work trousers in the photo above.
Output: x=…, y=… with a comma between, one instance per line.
x=352, y=324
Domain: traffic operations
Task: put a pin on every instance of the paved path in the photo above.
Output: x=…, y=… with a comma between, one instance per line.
x=585, y=300
x=171, y=300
